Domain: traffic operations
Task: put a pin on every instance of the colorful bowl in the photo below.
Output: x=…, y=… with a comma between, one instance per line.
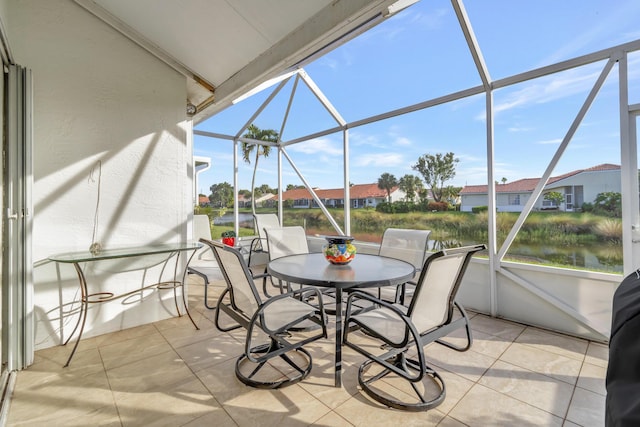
x=339, y=250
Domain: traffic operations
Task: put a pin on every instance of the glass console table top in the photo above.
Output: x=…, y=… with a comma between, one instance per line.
x=124, y=252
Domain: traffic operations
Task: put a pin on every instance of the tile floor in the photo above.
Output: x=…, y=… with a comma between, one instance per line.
x=169, y=374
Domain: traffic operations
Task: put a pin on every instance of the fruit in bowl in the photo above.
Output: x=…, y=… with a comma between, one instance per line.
x=339, y=250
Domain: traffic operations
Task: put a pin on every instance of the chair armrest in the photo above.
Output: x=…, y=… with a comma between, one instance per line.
x=412, y=338
x=297, y=294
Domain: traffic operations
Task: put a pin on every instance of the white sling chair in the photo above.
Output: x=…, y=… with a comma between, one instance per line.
x=282, y=318
x=202, y=263
x=262, y=221
x=407, y=330
x=408, y=245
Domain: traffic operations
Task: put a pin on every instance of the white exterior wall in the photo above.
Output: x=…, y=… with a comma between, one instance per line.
x=99, y=97
x=398, y=196
x=593, y=184
x=471, y=200
x=569, y=301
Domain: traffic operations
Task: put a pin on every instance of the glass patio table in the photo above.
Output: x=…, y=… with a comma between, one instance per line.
x=161, y=254
x=365, y=271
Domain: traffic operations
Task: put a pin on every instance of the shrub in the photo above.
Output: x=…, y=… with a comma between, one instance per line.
x=608, y=203
x=609, y=229
x=587, y=207
x=385, y=207
x=437, y=206
x=478, y=209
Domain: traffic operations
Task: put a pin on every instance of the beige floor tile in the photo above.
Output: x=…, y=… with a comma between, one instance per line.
x=491, y=345
x=592, y=378
x=540, y=360
x=362, y=411
x=485, y=407
x=538, y=390
x=150, y=374
x=500, y=328
x=587, y=408
x=185, y=334
x=597, y=354
x=133, y=350
x=564, y=345
x=209, y=352
x=171, y=406
x=468, y=364
x=456, y=387
x=107, y=416
x=61, y=399
x=54, y=358
x=450, y=422
x=332, y=420
x=126, y=334
x=321, y=383
x=169, y=373
x=287, y=406
x=215, y=417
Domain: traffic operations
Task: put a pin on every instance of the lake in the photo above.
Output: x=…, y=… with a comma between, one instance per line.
x=597, y=257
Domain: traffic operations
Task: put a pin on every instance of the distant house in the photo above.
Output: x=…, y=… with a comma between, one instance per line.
x=578, y=187
x=361, y=195
x=244, y=202
x=266, y=200
x=203, y=200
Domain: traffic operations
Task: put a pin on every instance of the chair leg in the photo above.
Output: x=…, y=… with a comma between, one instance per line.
x=300, y=371
x=464, y=319
x=422, y=403
x=220, y=306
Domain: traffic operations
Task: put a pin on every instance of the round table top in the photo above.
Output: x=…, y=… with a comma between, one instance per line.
x=364, y=271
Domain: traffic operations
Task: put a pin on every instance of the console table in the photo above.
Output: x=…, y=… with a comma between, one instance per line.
x=79, y=259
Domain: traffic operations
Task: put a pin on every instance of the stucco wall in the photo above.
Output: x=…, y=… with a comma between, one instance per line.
x=98, y=97
x=594, y=183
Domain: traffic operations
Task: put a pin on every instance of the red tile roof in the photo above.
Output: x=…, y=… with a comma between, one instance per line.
x=357, y=191
x=529, y=184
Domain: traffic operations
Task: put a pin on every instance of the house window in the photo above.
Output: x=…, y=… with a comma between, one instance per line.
x=301, y=202
x=514, y=199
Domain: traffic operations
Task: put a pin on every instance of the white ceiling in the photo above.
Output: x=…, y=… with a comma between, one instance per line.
x=227, y=47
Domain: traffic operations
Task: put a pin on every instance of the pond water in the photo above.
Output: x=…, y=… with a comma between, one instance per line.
x=597, y=257
x=227, y=218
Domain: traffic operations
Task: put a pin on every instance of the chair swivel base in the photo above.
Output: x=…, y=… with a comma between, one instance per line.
x=297, y=373
x=422, y=403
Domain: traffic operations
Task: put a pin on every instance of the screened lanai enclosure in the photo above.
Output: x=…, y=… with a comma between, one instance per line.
x=565, y=116
x=112, y=107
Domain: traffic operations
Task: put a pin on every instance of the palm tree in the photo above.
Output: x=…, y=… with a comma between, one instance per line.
x=254, y=132
x=386, y=182
x=411, y=185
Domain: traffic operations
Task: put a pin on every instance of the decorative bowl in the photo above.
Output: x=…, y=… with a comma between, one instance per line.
x=339, y=250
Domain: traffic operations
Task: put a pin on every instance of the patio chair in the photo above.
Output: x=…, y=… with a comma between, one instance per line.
x=202, y=263
x=262, y=221
x=283, y=241
x=408, y=245
x=281, y=318
x=401, y=330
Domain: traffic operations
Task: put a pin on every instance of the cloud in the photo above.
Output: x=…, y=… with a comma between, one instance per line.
x=378, y=159
x=315, y=146
x=550, y=141
x=548, y=88
x=402, y=140
x=519, y=129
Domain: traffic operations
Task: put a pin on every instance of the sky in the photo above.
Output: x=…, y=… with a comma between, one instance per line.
x=420, y=54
